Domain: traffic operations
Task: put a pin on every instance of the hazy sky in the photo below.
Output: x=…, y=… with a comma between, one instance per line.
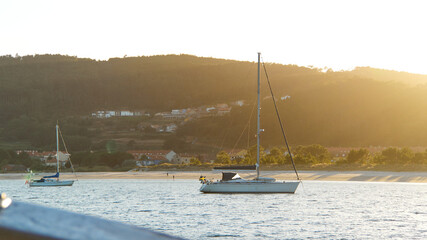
x=338, y=34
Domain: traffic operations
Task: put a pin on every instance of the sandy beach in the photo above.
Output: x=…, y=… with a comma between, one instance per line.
x=368, y=176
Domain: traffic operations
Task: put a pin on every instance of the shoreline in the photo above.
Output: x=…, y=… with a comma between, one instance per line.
x=364, y=176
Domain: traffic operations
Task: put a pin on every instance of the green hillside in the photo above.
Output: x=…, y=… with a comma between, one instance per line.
x=348, y=108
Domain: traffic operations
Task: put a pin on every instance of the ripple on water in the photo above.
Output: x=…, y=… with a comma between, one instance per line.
x=222, y=236
x=324, y=210
x=144, y=211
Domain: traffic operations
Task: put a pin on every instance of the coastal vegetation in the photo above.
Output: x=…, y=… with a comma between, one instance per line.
x=318, y=157
x=311, y=157
x=319, y=107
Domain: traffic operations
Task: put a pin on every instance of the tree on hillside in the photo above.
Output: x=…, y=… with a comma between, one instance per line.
x=357, y=156
x=312, y=154
x=195, y=161
x=406, y=155
x=396, y=156
x=390, y=155
x=420, y=157
x=251, y=155
x=223, y=158
x=275, y=156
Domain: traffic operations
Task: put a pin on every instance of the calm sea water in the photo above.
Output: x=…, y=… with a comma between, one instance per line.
x=318, y=210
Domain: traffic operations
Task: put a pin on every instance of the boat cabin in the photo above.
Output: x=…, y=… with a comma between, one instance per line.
x=227, y=176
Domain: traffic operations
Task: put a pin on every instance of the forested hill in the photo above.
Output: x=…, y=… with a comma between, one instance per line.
x=390, y=76
x=61, y=84
x=364, y=106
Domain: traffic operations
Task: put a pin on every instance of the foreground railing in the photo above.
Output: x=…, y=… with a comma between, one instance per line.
x=19, y=220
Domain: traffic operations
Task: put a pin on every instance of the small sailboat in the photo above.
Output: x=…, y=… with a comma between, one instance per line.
x=232, y=183
x=53, y=180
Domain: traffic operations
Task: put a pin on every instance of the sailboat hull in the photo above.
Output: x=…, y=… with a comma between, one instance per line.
x=52, y=183
x=250, y=187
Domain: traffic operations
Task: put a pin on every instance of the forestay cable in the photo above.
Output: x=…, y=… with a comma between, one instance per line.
x=280, y=121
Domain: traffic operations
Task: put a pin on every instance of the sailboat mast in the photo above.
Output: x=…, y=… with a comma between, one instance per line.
x=57, y=149
x=258, y=119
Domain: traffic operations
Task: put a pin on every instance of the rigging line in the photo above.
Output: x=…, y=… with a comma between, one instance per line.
x=226, y=133
x=249, y=123
x=249, y=133
x=243, y=131
x=247, y=126
x=66, y=150
x=280, y=121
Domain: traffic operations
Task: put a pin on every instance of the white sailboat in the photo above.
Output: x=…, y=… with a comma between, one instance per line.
x=233, y=183
x=52, y=181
